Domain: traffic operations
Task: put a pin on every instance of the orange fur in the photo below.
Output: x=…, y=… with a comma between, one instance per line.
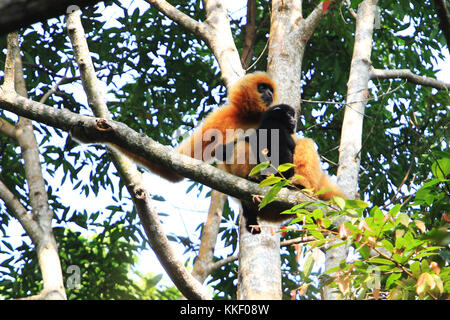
x=243, y=111
x=307, y=166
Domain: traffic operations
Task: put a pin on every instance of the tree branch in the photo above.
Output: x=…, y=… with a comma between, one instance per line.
x=7, y=129
x=250, y=34
x=196, y=27
x=202, y=265
x=215, y=31
x=444, y=18
x=25, y=218
x=132, y=178
x=46, y=247
x=376, y=74
x=18, y=13
x=97, y=129
x=315, y=17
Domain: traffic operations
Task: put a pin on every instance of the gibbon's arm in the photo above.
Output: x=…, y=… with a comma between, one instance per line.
x=248, y=99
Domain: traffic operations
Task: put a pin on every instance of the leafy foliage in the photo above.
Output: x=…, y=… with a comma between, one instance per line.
x=402, y=252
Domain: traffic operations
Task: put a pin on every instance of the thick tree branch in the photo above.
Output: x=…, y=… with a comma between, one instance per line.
x=215, y=31
x=202, y=265
x=376, y=74
x=19, y=13
x=249, y=35
x=196, y=27
x=25, y=218
x=7, y=129
x=46, y=247
x=132, y=178
x=444, y=18
x=98, y=129
x=311, y=22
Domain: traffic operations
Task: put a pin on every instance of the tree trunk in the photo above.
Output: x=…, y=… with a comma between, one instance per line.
x=351, y=135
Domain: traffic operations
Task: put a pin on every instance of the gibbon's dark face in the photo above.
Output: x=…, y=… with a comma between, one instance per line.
x=284, y=115
x=266, y=92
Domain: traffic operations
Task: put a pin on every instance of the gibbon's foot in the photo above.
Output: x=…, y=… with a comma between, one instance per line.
x=253, y=229
x=256, y=198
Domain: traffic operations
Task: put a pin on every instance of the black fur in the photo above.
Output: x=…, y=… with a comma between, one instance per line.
x=282, y=118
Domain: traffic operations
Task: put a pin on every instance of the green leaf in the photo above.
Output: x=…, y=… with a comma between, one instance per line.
x=317, y=213
x=285, y=167
x=387, y=245
x=382, y=261
x=307, y=268
x=403, y=219
x=258, y=168
x=415, y=268
x=441, y=168
x=355, y=204
x=391, y=280
x=270, y=196
x=340, y=202
x=271, y=180
x=395, y=210
x=364, y=251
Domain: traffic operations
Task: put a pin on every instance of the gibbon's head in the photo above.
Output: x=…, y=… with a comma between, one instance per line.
x=253, y=94
x=281, y=116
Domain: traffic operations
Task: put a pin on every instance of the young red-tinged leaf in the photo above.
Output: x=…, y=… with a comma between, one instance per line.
x=298, y=249
x=303, y=289
x=430, y=280
x=435, y=267
x=420, y=225
x=364, y=226
x=399, y=233
x=325, y=5
x=388, y=217
x=293, y=294
x=343, y=284
x=438, y=282
x=404, y=219
x=344, y=232
x=358, y=237
x=376, y=293
x=284, y=232
x=446, y=218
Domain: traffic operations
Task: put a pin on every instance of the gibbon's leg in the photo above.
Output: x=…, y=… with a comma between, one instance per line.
x=250, y=212
x=307, y=165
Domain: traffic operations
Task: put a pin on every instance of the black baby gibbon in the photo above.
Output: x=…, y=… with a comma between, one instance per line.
x=273, y=140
